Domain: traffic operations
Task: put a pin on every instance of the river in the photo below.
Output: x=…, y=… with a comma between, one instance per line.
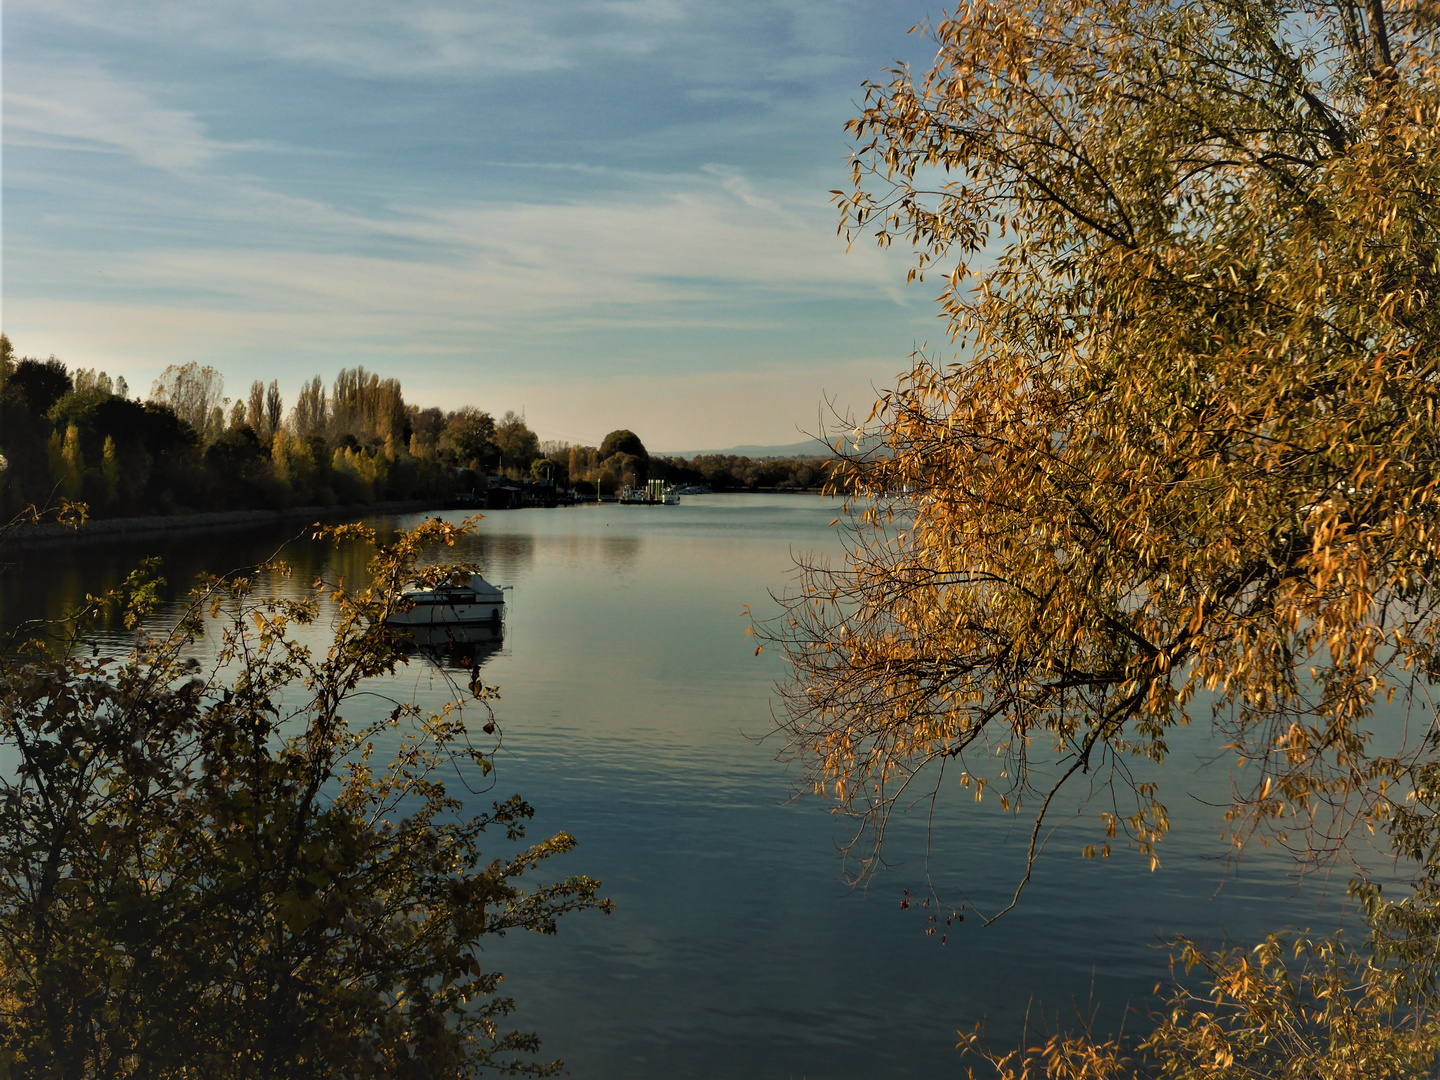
x=634, y=709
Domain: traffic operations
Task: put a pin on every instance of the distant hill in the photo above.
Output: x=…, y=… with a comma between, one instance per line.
x=810, y=448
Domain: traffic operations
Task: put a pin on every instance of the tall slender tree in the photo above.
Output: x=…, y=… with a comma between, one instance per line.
x=274, y=407
x=194, y=393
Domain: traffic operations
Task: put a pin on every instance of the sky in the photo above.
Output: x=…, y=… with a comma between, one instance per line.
x=600, y=213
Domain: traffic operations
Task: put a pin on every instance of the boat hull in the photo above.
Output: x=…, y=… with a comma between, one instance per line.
x=442, y=614
x=451, y=605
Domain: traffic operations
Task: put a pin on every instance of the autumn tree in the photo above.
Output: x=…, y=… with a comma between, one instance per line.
x=194, y=393
x=469, y=434
x=312, y=410
x=622, y=441
x=518, y=445
x=581, y=463
x=1187, y=251
x=274, y=407
x=91, y=381
x=215, y=870
x=256, y=413
x=1185, y=462
x=72, y=476
x=366, y=407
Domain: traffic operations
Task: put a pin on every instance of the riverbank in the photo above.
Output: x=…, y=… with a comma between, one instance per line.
x=107, y=530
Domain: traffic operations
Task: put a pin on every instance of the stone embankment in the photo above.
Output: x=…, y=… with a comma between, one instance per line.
x=112, y=530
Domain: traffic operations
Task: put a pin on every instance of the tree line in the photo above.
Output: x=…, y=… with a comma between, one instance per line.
x=621, y=460
x=82, y=435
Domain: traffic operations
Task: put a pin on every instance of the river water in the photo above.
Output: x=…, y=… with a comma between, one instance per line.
x=633, y=710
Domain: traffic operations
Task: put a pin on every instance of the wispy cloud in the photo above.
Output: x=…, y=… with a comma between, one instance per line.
x=713, y=43
x=539, y=189
x=425, y=39
x=83, y=107
x=684, y=257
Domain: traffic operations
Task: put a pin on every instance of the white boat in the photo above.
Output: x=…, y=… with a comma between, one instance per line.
x=451, y=605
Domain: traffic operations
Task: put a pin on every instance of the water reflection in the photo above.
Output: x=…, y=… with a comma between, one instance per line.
x=628, y=691
x=514, y=553
x=456, y=648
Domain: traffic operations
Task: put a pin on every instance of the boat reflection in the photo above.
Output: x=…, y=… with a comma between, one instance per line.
x=455, y=647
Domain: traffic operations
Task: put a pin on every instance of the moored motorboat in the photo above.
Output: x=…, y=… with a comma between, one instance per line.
x=477, y=601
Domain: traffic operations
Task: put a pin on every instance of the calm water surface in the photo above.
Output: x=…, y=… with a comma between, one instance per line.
x=632, y=703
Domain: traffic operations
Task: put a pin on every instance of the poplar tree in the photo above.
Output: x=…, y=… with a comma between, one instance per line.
x=255, y=411
x=74, y=463
x=110, y=469
x=274, y=406
x=195, y=393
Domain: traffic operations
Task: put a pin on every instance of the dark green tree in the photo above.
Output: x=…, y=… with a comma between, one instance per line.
x=209, y=872
x=39, y=383
x=622, y=441
x=470, y=434
x=518, y=445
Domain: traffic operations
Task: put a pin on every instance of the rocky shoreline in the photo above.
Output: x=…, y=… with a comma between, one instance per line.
x=103, y=530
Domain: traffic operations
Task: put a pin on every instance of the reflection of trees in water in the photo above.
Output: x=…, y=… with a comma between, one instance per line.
x=507, y=551
x=504, y=552
x=52, y=588
x=348, y=562
x=456, y=648
x=51, y=583
x=46, y=584
x=620, y=552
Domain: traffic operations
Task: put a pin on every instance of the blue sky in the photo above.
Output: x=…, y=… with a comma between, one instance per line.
x=609, y=214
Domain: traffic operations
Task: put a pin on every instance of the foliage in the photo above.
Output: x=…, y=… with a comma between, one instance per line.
x=1294, y=1007
x=518, y=445
x=312, y=410
x=622, y=441
x=355, y=442
x=37, y=384
x=471, y=434
x=218, y=872
x=728, y=472
x=1186, y=463
x=193, y=393
x=1189, y=248
x=366, y=406
x=1291, y=1008
x=264, y=409
x=159, y=462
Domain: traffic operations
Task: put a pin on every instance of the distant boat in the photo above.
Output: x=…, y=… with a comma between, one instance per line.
x=451, y=605
x=654, y=493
